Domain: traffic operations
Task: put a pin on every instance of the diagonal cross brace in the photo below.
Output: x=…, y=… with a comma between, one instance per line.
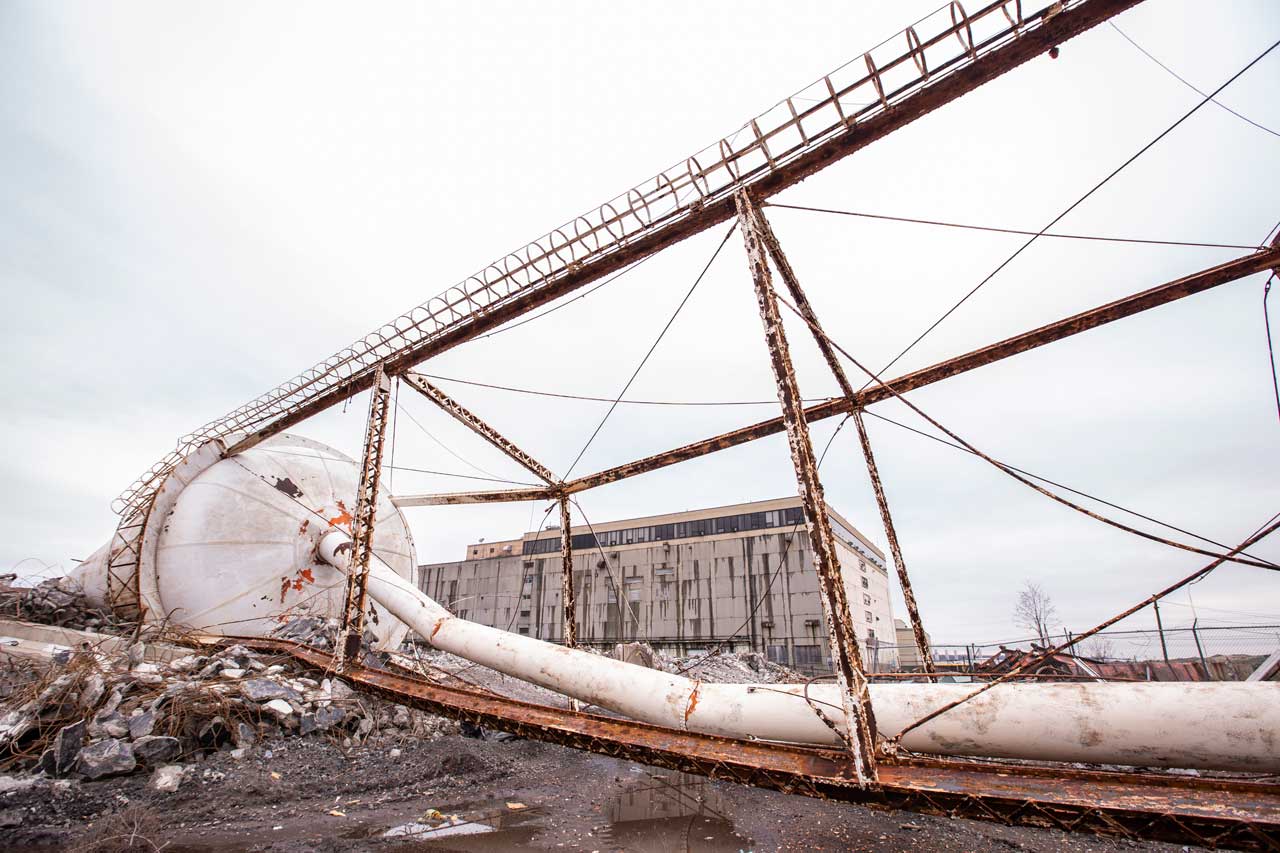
x=803, y=305
x=855, y=699
x=462, y=415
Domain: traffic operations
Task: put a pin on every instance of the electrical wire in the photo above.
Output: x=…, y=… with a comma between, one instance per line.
x=875, y=378
x=969, y=227
x=1058, y=485
x=1184, y=81
x=1144, y=149
x=653, y=347
x=782, y=562
x=591, y=399
x=407, y=468
x=446, y=447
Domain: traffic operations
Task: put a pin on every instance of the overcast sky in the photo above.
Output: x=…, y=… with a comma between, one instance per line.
x=199, y=200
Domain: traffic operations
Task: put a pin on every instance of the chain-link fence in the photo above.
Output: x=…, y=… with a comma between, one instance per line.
x=1221, y=652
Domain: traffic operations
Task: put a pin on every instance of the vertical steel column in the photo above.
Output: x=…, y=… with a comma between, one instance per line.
x=810, y=317
x=855, y=699
x=569, y=607
x=352, y=630
x=1164, y=648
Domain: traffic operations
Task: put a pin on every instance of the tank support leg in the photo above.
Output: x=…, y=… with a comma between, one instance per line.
x=352, y=630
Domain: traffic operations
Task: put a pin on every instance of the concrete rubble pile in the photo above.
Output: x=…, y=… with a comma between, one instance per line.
x=56, y=601
x=101, y=715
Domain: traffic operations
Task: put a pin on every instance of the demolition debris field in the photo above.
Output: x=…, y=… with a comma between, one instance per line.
x=220, y=749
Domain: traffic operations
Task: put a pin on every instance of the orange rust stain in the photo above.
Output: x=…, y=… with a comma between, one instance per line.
x=693, y=702
x=435, y=630
x=303, y=529
x=342, y=518
x=304, y=576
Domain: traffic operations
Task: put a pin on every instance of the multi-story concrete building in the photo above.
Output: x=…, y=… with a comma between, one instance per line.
x=741, y=577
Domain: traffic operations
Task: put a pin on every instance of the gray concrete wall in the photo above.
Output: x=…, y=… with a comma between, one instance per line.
x=681, y=596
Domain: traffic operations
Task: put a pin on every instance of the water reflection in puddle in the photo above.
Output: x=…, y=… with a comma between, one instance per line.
x=651, y=813
x=670, y=811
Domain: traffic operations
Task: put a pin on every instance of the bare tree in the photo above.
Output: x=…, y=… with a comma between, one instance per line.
x=1034, y=611
x=1100, y=648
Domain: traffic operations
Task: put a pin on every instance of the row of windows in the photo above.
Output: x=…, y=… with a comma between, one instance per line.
x=854, y=542
x=787, y=517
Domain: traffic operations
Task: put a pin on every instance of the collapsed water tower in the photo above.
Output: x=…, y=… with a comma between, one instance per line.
x=231, y=545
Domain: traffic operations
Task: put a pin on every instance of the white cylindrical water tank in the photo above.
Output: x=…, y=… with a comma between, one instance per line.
x=236, y=552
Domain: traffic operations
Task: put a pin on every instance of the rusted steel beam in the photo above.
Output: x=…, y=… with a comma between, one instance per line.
x=569, y=608
x=1162, y=294
x=1179, y=809
x=788, y=275
x=496, y=496
x=352, y=629
x=1051, y=28
x=463, y=416
x=859, y=719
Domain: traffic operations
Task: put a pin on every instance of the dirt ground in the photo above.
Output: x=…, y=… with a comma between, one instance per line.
x=457, y=793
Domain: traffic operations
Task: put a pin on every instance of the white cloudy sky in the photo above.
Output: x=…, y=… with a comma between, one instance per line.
x=197, y=200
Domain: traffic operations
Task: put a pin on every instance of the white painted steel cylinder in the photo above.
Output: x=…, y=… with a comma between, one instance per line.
x=1220, y=725
x=235, y=548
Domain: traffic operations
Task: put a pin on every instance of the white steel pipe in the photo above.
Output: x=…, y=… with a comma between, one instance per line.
x=1218, y=726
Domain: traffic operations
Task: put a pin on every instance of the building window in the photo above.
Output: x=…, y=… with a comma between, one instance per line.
x=525, y=630
x=866, y=599
x=524, y=614
x=808, y=655
x=865, y=585
x=870, y=618
x=862, y=565
x=778, y=654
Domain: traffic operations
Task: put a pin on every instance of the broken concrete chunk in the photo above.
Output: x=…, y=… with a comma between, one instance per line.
x=233, y=673
x=66, y=746
x=166, y=779
x=279, y=707
x=244, y=735
x=263, y=690
x=91, y=695
x=141, y=725
x=307, y=724
x=110, y=757
x=108, y=724
x=154, y=750
x=327, y=718
x=189, y=663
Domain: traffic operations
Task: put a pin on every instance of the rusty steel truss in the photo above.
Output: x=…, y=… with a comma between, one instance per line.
x=375, y=434
x=1241, y=815
x=926, y=66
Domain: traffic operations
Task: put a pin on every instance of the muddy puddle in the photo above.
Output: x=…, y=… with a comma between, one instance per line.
x=648, y=811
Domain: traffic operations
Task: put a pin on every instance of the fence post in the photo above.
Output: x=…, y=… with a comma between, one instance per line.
x=1208, y=676
x=1163, y=648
